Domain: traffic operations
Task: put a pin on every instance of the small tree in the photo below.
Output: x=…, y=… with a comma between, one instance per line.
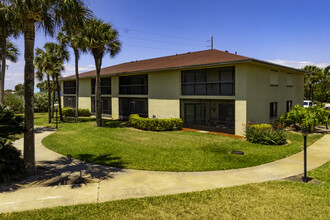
x=101, y=38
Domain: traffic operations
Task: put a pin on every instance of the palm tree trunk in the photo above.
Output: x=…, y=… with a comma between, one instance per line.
x=98, y=104
x=59, y=98
x=53, y=91
x=49, y=100
x=76, y=55
x=2, y=69
x=29, y=150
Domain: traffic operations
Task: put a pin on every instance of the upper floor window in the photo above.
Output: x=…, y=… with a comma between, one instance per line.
x=289, y=80
x=69, y=87
x=209, y=82
x=273, y=78
x=273, y=109
x=105, y=86
x=133, y=85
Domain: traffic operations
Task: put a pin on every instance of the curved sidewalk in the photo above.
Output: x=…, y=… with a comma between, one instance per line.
x=114, y=183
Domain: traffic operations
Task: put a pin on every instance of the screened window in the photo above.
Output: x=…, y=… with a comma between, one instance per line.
x=105, y=86
x=273, y=109
x=195, y=114
x=288, y=105
x=128, y=106
x=106, y=105
x=69, y=101
x=133, y=85
x=69, y=87
x=209, y=82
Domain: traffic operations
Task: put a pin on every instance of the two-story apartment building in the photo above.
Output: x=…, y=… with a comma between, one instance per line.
x=209, y=90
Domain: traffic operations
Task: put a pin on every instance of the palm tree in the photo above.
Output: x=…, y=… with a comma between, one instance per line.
x=50, y=61
x=8, y=28
x=311, y=79
x=11, y=54
x=45, y=14
x=73, y=38
x=42, y=67
x=101, y=38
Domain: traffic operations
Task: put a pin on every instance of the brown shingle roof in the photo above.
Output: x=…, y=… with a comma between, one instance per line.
x=179, y=61
x=168, y=62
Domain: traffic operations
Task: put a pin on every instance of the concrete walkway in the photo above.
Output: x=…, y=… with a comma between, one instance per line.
x=114, y=183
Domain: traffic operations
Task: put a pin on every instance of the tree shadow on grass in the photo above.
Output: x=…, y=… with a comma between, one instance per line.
x=113, y=123
x=69, y=171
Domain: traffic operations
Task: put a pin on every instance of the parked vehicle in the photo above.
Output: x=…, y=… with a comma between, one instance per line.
x=308, y=103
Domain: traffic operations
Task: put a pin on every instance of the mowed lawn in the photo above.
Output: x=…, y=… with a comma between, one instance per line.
x=124, y=147
x=270, y=200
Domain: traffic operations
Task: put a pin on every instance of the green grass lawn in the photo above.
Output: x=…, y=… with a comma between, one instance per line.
x=270, y=200
x=120, y=146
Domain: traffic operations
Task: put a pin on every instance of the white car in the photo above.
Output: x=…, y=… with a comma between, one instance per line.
x=308, y=103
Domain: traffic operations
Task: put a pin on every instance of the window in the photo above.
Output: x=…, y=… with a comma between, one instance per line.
x=69, y=101
x=69, y=87
x=195, y=114
x=128, y=106
x=133, y=85
x=105, y=86
x=289, y=80
x=106, y=105
x=273, y=78
x=273, y=109
x=209, y=82
x=288, y=105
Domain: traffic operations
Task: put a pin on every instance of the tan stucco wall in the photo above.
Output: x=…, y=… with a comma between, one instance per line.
x=260, y=93
x=253, y=93
x=240, y=116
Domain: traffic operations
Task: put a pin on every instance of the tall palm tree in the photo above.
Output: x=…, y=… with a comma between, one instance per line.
x=47, y=15
x=311, y=79
x=8, y=27
x=11, y=54
x=72, y=36
x=43, y=68
x=50, y=61
x=101, y=38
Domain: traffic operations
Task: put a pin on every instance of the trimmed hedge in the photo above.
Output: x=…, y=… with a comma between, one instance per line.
x=70, y=112
x=264, y=134
x=155, y=124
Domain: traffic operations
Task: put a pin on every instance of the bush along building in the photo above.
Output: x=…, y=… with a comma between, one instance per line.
x=209, y=90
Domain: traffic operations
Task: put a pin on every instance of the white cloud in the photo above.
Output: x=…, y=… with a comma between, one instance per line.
x=298, y=64
x=15, y=73
x=70, y=69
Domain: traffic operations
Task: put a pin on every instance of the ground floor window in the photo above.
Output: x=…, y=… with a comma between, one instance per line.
x=128, y=106
x=213, y=115
x=106, y=105
x=69, y=101
x=273, y=109
x=288, y=105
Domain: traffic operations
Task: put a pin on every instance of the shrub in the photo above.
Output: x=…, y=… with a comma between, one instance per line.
x=15, y=102
x=70, y=112
x=41, y=102
x=84, y=112
x=155, y=124
x=11, y=164
x=264, y=134
x=9, y=124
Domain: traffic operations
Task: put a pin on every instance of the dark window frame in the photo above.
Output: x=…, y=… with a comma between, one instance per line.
x=102, y=98
x=195, y=115
x=273, y=109
x=288, y=105
x=69, y=87
x=127, y=86
x=207, y=84
x=105, y=86
x=66, y=101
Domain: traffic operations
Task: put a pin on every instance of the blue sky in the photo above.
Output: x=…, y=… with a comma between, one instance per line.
x=289, y=32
